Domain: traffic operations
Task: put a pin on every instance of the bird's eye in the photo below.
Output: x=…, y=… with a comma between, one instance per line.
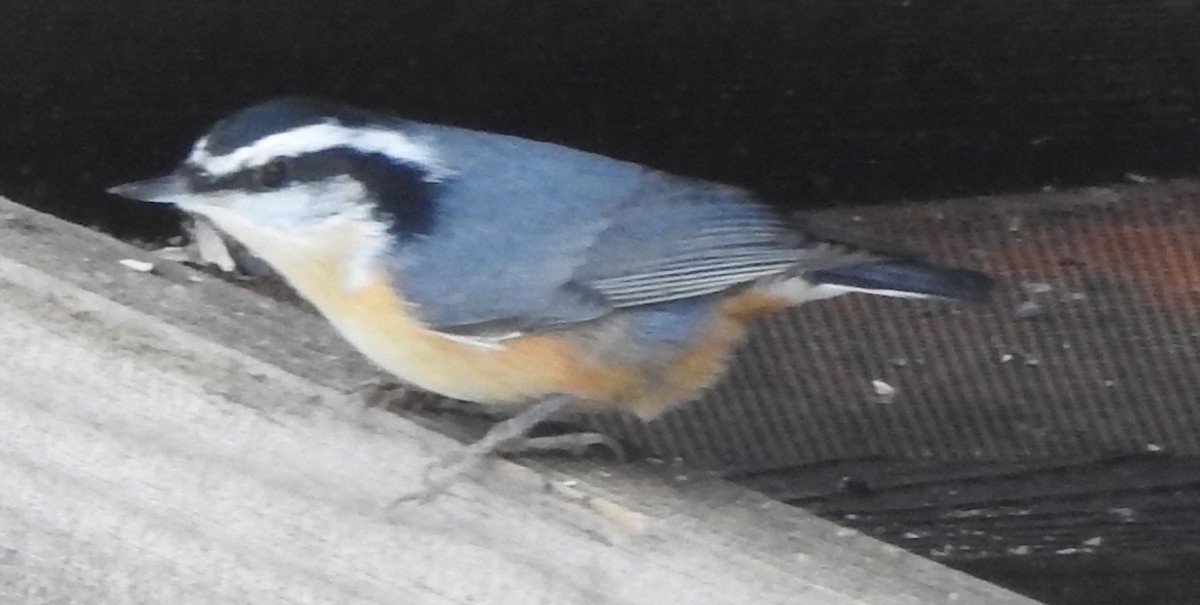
x=272, y=174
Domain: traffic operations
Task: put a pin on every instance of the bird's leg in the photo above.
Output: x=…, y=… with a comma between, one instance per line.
x=389, y=395
x=573, y=443
x=508, y=437
x=442, y=473
x=378, y=393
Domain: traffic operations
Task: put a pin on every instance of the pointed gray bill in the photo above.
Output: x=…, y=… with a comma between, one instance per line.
x=170, y=189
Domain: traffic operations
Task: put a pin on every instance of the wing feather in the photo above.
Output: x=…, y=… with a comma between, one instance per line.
x=682, y=239
x=562, y=237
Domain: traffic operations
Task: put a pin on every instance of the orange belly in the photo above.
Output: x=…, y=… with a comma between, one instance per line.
x=518, y=370
x=374, y=318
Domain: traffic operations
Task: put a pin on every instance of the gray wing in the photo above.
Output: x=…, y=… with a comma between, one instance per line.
x=681, y=239
x=535, y=236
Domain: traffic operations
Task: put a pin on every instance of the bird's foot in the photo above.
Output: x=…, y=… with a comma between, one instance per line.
x=575, y=444
x=507, y=437
x=379, y=393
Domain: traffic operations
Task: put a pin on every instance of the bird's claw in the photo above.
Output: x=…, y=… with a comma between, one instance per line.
x=505, y=437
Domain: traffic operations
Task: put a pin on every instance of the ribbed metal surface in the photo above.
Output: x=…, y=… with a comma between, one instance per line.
x=1091, y=345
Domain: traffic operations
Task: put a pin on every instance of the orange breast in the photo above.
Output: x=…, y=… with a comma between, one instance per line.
x=520, y=369
x=379, y=323
x=516, y=370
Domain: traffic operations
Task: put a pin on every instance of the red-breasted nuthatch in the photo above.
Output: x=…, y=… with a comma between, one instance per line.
x=501, y=270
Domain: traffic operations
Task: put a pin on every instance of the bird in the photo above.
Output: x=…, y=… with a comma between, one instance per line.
x=515, y=273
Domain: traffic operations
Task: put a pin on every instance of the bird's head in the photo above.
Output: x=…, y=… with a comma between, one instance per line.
x=293, y=167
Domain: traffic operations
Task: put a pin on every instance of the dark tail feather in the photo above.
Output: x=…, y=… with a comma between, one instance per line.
x=911, y=277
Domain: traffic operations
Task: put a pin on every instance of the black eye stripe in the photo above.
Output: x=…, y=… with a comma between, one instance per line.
x=246, y=180
x=400, y=190
x=270, y=175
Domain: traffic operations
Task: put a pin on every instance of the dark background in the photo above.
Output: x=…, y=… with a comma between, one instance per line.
x=813, y=103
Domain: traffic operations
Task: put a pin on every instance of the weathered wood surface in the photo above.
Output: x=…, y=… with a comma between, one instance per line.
x=170, y=441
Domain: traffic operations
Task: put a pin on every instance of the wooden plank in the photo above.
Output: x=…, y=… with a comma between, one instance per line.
x=1114, y=506
x=163, y=440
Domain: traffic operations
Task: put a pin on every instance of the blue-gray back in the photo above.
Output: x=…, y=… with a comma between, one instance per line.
x=531, y=235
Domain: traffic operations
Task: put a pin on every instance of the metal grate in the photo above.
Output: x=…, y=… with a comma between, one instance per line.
x=1090, y=346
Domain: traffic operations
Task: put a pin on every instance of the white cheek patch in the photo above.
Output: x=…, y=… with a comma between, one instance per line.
x=298, y=207
x=363, y=263
x=297, y=220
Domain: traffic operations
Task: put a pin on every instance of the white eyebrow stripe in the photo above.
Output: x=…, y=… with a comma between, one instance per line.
x=319, y=137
